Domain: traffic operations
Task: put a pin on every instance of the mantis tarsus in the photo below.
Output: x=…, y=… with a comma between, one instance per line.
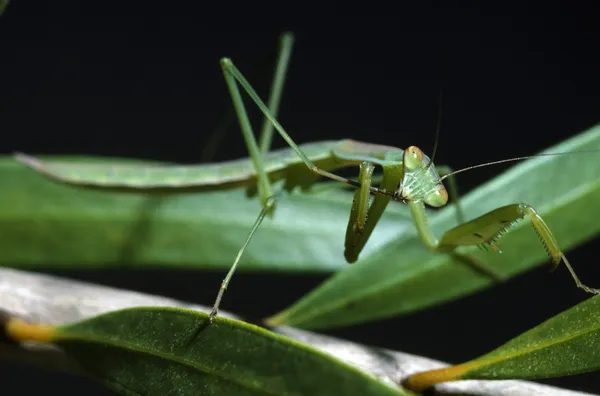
x=409, y=176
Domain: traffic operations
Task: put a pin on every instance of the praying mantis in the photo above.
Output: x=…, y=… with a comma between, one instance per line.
x=408, y=176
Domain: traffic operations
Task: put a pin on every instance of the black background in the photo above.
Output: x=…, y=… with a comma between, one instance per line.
x=142, y=79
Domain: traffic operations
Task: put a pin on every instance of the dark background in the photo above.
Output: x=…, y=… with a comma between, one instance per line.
x=142, y=79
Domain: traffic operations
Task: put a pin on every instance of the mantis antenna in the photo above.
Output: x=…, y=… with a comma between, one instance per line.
x=515, y=159
x=437, y=131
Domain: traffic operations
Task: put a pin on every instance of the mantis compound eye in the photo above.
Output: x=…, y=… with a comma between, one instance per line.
x=413, y=158
x=437, y=198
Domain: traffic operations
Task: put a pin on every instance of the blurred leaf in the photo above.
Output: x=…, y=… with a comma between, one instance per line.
x=403, y=276
x=170, y=351
x=3, y=5
x=564, y=345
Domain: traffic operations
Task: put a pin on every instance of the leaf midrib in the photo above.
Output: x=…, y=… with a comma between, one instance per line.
x=537, y=347
x=300, y=348
x=154, y=353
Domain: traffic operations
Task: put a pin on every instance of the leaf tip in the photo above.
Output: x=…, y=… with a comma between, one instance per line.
x=420, y=381
x=275, y=320
x=27, y=160
x=19, y=331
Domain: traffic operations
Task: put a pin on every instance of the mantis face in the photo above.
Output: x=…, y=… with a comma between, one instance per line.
x=420, y=181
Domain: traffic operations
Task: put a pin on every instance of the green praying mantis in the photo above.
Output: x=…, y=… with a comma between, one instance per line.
x=408, y=176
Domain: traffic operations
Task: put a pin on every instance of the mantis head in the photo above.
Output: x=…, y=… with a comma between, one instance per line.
x=420, y=181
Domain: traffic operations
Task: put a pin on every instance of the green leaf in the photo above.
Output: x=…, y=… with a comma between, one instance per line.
x=403, y=276
x=45, y=223
x=168, y=351
x=3, y=5
x=567, y=344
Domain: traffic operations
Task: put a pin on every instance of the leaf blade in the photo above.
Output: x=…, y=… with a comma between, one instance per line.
x=3, y=5
x=159, y=351
x=45, y=223
x=564, y=345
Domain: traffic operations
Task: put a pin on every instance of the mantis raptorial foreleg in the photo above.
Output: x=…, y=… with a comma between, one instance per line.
x=364, y=217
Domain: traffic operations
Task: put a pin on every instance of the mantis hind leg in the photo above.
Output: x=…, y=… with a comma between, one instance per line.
x=285, y=51
x=265, y=188
x=264, y=185
x=233, y=76
x=487, y=229
x=286, y=41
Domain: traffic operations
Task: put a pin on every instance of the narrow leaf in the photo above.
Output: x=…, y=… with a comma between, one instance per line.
x=403, y=276
x=169, y=351
x=567, y=344
x=46, y=223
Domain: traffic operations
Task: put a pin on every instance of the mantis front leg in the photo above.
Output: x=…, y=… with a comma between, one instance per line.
x=487, y=229
x=364, y=217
